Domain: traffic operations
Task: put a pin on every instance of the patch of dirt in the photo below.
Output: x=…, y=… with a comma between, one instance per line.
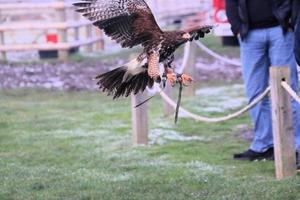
x=79, y=75
x=216, y=70
x=61, y=76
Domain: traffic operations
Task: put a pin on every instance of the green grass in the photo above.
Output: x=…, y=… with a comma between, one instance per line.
x=57, y=145
x=215, y=44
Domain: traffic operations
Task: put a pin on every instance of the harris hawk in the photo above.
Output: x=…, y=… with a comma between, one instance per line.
x=131, y=23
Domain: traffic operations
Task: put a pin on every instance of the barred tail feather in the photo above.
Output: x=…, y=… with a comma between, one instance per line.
x=119, y=82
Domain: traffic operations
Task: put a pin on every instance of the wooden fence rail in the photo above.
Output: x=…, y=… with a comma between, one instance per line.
x=56, y=46
x=52, y=5
x=93, y=37
x=44, y=26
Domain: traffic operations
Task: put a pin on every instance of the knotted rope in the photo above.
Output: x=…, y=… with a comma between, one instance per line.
x=291, y=92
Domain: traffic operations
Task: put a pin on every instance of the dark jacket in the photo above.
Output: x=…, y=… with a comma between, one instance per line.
x=237, y=14
x=295, y=10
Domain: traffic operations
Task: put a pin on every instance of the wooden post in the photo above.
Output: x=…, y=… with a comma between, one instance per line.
x=139, y=119
x=168, y=110
x=2, y=42
x=76, y=29
x=89, y=47
x=191, y=68
x=62, y=34
x=99, y=45
x=282, y=120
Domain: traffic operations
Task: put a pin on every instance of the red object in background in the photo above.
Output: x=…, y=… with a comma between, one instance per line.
x=219, y=4
x=51, y=38
x=219, y=11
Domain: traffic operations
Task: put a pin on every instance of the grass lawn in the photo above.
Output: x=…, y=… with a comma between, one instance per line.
x=57, y=145
x=215, y=44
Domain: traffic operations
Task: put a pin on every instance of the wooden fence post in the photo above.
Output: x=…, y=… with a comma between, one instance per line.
x=282, y=120
x=76, y=29
x=139, y=119
x=88, y=30
x=62, y=33
x=99, y=45
x=2, y=43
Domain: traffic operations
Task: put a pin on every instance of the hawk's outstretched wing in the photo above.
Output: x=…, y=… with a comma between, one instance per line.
x=129, y=22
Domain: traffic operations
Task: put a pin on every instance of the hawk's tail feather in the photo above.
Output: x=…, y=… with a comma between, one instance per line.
x=113, y=82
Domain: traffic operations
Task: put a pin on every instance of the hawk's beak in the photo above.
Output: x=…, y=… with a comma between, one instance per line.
x=186, y=36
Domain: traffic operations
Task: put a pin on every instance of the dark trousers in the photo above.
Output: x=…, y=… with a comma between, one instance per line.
x=297, y=41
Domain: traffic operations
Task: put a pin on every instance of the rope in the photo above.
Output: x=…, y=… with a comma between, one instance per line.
x=291, y=92
x=186, y=56
x=217, y=56
x=196, y=117
x=219, y=119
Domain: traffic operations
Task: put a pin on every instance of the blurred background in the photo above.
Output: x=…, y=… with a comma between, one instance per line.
x=32, y=30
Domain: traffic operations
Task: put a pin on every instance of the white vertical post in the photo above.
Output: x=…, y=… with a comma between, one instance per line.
x=62, y=34
x=282, y=120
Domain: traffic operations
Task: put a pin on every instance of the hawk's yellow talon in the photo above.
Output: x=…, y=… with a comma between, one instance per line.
x=186, y=79
x=171, y=77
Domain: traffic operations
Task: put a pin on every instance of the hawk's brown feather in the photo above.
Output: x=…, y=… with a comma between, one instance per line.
x=128, y=22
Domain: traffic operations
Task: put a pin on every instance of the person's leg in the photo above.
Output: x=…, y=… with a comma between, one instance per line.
x=255, y=62
x=297, y=41
x=297, y=55
x=281, y=54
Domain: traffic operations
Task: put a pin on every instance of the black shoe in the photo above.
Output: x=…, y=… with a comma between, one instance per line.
x=253, y=155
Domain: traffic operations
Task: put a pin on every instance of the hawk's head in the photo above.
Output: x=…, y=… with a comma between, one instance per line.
x=186, y=36
x=180, y=37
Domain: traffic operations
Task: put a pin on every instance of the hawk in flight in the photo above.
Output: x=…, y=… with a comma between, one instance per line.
x=131, y=23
